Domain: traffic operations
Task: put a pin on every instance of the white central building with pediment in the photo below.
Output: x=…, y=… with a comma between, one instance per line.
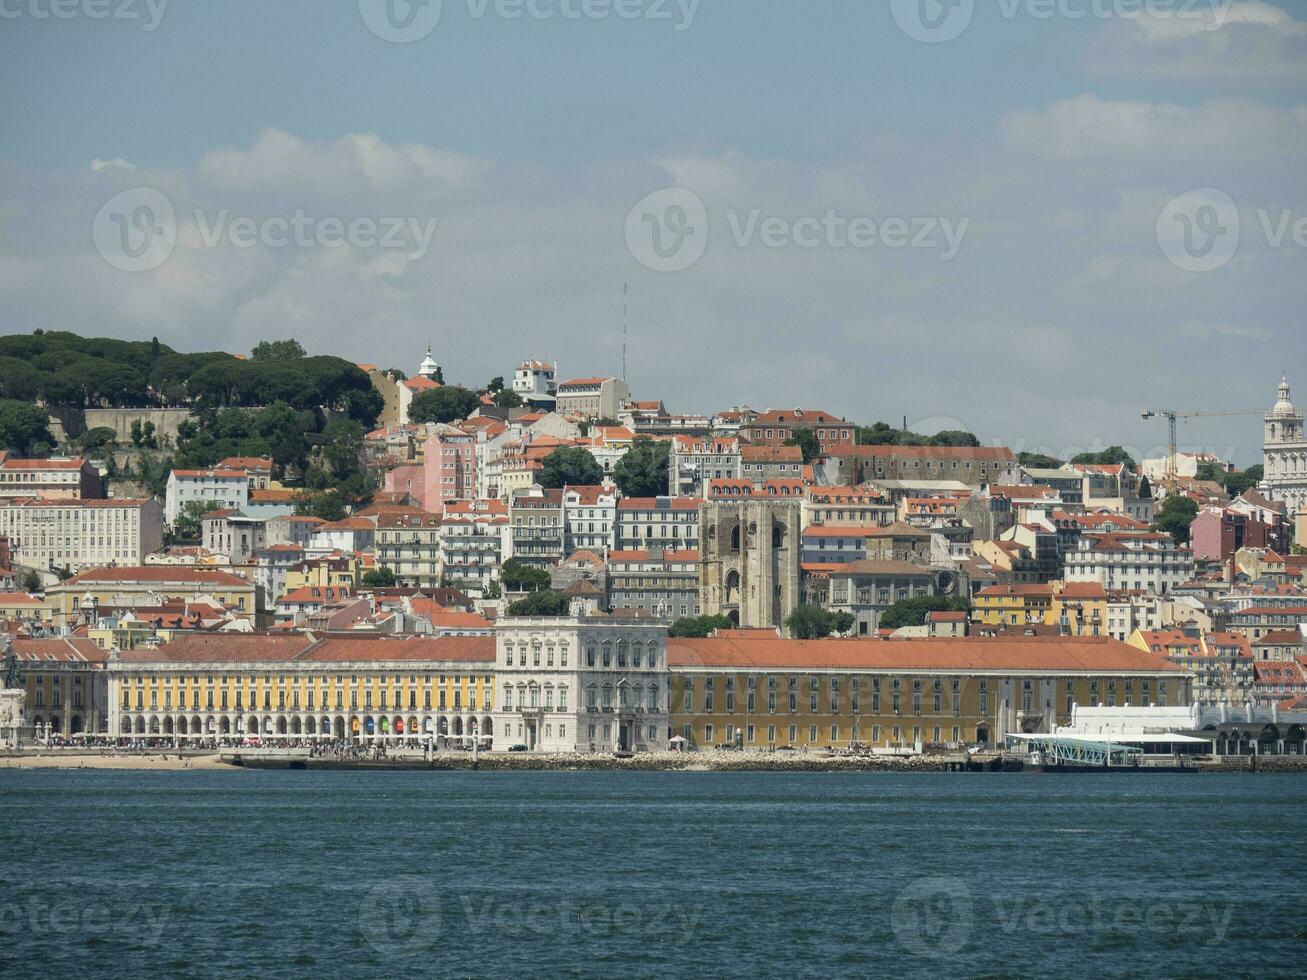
x=589, y=682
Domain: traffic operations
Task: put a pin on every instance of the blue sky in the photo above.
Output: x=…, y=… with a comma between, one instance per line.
x=1056, y=143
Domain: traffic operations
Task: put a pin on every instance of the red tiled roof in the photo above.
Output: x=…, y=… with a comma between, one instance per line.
x=1051, y=654
x=60, y=651
x=169, y=574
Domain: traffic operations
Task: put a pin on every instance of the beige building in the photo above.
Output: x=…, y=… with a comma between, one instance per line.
x=77, y=534
x=600, y=398
x=147, y=585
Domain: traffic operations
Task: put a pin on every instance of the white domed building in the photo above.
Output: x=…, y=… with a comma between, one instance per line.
x=1285, y=462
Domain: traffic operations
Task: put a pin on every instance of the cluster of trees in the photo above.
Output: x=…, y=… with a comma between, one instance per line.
x=24, y=428
x=517, y=577
x=815, y=623
x=448, y=403
x=1234, y=483
x=1039, y=461
x=884, y=434
x=541, y=604
x=642, y=472
x=65, y=370
x=1174, y=517
x=912, y=612
x=698, y=627
x=1111, y=456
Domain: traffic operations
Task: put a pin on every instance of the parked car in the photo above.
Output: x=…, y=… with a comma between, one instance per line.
x=519, y=747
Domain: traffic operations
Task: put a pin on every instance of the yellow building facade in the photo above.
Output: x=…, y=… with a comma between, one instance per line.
x=1013, y=605
x=296, y=685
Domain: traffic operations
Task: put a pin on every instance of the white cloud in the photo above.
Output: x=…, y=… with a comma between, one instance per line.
x=1206, y=330
x=1248, y=41
x=115, y=166
x=278, y=161
x=1089, y=127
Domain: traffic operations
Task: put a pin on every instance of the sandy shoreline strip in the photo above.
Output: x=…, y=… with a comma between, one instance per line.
x=96, y=761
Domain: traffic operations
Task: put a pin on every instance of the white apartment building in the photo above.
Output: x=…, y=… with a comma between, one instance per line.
x=588, y=682
x=589, y=519
x=1126, y=562
x=536, y=382
x=474, y=535
x=228, y=489
x=658, y=522
x=80, y=534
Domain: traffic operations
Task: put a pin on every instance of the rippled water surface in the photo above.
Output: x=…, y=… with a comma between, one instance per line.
x=615, y=874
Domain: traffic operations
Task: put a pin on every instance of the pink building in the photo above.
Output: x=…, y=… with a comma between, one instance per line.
x=450, y=464
x=410, y=478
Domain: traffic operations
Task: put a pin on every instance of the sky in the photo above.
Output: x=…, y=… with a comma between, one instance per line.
x=1026, y=218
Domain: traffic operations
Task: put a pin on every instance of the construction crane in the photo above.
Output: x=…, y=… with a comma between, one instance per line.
x=1171, y=416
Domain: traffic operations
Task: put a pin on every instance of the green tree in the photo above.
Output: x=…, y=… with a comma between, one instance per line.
x=954, y=437
x=698, y=627
x=809, y=623
x=569, y=466
x=31, y=582
x=523, y=578
x=189, y=524
x=496, y=384
x=447, y=404
x=842, y=623
x=1174, y=517
x=23, y=427
x=1039, y=461
x=807, y=442
x=507, y=398
x=912, y=612
x=277, y=350
x=379, y=578
x=642, y=472
x=329, y=505
x=541, y=604
x=1111, y=456
x=97, y=441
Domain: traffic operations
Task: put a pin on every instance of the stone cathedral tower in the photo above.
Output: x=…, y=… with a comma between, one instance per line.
x=1285, y=463
x=749, y=552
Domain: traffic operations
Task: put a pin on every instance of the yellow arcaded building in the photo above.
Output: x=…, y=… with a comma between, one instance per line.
x=300, y=685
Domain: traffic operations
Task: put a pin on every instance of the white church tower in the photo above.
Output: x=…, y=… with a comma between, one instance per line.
x=429, y=368
x=1286, y=453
